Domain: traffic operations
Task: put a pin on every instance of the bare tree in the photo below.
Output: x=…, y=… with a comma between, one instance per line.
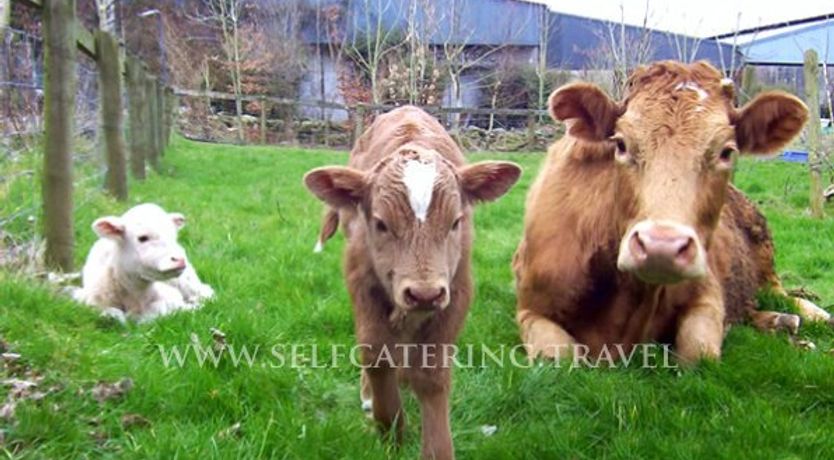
x=226, y=15
x=460, y=54
x=546, y=27
x=368, y=47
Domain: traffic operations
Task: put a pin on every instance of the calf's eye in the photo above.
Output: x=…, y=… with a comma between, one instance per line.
x=143, y=239
x=380, y=226
x=726, y=154
x=456, y=224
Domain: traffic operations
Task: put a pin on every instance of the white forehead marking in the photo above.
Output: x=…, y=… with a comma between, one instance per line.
x=692, y=86
x=419, y=178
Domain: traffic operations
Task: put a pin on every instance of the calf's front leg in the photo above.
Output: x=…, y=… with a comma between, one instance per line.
x=432, y=388
x=386, y=406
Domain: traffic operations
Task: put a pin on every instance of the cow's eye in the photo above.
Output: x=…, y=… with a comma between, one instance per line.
x=380, y=226
x=621, y=151
x=621, y=146
x=726, y=154
x=143, y=239
x=456, y=224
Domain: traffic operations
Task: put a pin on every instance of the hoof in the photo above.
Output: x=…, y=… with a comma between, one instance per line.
x=788, y=322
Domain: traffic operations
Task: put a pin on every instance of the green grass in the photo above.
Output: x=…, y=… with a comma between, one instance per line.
x=250, y=234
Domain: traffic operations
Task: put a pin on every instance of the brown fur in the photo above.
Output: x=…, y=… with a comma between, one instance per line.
x=582, y=203
x=389, y=249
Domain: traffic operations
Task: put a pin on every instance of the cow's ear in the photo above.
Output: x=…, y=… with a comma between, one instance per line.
x=769, y=122
x=109, y=227
x=337, y=186
x=488, y=180
x=178, y=219
x=586, y=110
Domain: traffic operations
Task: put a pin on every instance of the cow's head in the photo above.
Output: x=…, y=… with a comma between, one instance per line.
x=674, y=139
x=414, y=209
x=146, y=242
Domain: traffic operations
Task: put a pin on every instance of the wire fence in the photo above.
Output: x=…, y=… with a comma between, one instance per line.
x=65, y=129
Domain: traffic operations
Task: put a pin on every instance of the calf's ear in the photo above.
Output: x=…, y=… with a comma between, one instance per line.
x=488, y=180
x=769, y=122
x=586, y=110
x=178, y=219
x=338, y=186
x=109, y=227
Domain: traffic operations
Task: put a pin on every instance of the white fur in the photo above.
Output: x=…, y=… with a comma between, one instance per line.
x=137, y=278
x=319, y=247
x=692, y=86
x=419, y=178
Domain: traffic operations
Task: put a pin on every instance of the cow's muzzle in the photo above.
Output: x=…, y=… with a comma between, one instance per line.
x=425, y=296
x=662, y=252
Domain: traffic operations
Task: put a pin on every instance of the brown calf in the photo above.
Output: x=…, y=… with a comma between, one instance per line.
x=633, y=232
x=405, y=202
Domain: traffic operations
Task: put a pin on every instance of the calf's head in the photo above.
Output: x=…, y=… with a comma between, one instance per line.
x=414, y=213
x=146, y=242
x=674, y=138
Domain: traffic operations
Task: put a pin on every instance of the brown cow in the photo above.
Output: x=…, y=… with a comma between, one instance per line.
x=633, y=232
x=405, y=203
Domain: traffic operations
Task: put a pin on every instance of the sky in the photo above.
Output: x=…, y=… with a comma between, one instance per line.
x=695, y=17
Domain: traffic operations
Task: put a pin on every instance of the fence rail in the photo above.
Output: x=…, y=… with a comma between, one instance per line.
x=437, y=110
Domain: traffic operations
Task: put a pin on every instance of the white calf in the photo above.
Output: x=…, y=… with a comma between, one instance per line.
x=138, y=268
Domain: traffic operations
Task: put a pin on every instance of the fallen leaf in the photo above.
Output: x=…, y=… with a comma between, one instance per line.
x=7, y=410
x=98, y=436
x=104, y=391
x=219, y=339
x=488, y=430
x=233, y=430
x=132, y=420
x=806, y=345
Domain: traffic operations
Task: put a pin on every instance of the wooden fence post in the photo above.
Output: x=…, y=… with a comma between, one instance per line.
x=171, y=106
x=812, y=100
x=152, y=122
x=289, y=133
x=5, y=10
x=110, y=81
x=263, y=121
x=160, y=122
x=136, y=113
x=59, y=107
x=358, y=122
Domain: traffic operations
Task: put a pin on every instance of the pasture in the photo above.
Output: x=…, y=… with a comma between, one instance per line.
x=250, y=233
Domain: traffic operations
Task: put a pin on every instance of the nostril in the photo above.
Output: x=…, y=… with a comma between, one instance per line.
x=441, y=294
x=637, y=245
x=686, y=251
x=410, y=298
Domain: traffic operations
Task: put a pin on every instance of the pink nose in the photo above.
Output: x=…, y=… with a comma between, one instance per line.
x=179, y=262
x=662, y=249
x=425, y=296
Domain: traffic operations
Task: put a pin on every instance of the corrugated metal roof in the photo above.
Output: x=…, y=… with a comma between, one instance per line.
x=788, y=46
x=574, y=40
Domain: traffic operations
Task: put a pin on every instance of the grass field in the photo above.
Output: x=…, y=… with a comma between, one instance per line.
x=250, y=234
